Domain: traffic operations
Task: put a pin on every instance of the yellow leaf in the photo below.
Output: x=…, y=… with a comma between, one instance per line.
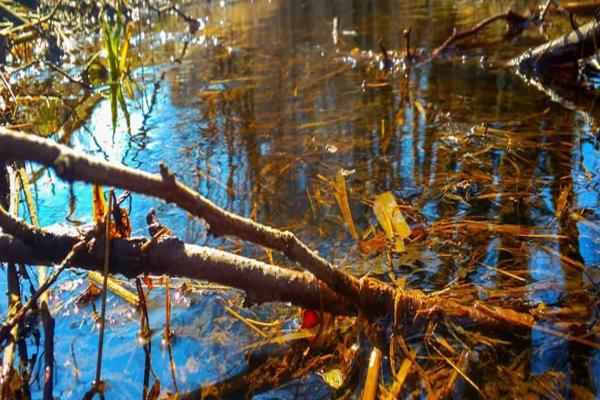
x=124, y=50
x=333, y=377
x=561, y=203
x=99, y=203
x=420, y=108
x=391, y=220
x=128, y=89
x=342, y=199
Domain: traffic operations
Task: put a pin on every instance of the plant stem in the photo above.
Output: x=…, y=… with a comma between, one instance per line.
x=105, y=284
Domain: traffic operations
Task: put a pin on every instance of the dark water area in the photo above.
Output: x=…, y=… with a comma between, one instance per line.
x=266, y=101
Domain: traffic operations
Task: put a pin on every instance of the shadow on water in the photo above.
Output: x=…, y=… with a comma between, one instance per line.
x=267, y=97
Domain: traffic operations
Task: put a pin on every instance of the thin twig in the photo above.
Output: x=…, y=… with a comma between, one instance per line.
x=11, y=322
x=172, y=367
x=167, y=333
x=107, y=220
x=514, y=19
x=145, y=333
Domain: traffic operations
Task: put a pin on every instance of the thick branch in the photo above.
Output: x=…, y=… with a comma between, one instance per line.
x=567, y=49
x=76, y=166
x=266, y=283
x=261, y=282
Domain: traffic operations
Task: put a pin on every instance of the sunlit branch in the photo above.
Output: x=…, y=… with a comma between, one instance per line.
x=261, y=282
x=567, y=49
x=76, y=166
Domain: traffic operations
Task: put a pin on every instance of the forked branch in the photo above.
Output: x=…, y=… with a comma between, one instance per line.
x=74, y=166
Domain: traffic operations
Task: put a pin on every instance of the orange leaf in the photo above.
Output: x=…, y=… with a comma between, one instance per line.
x=148, y=282
x=379, y=242
x=121, y=229
x=99, y=204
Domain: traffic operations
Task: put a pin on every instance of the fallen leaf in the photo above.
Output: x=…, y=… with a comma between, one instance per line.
x=333, y=377
x=561, y=203
x=391, y=220
x=342, y=199
x=99, y=203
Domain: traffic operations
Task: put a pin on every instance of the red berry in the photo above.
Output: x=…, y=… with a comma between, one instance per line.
x=310, y=319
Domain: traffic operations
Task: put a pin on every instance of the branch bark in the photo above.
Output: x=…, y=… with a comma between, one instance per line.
x=261, y=282
x=567, y=49
x=375, y=300
x=75, y=166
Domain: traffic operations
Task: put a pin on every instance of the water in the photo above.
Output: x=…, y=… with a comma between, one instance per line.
x=266, y=97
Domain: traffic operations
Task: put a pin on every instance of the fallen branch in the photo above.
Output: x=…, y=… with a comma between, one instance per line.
x=515, y=22
x=262, y=282
x=567, y=49
x=75, y=166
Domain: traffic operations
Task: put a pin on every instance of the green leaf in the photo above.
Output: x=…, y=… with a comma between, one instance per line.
x=124, y=107
x=124, y=50
x=113, y=105
x=112, y=62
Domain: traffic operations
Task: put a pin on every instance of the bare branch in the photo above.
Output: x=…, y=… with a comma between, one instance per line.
x=373, y=299
x=261, y=282
x=516, y=24
x=567, y=49
x=76, y=166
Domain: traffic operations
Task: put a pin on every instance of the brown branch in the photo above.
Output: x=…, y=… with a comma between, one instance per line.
x=516, y=23
x=567, y=49
x=268, y=283
x=76, y=166
x=261, y=282
x=581, y=6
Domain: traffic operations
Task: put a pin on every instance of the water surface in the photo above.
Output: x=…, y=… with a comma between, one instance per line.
x=268, y=97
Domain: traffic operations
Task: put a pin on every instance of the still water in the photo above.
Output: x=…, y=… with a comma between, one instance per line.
x=266, y=99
